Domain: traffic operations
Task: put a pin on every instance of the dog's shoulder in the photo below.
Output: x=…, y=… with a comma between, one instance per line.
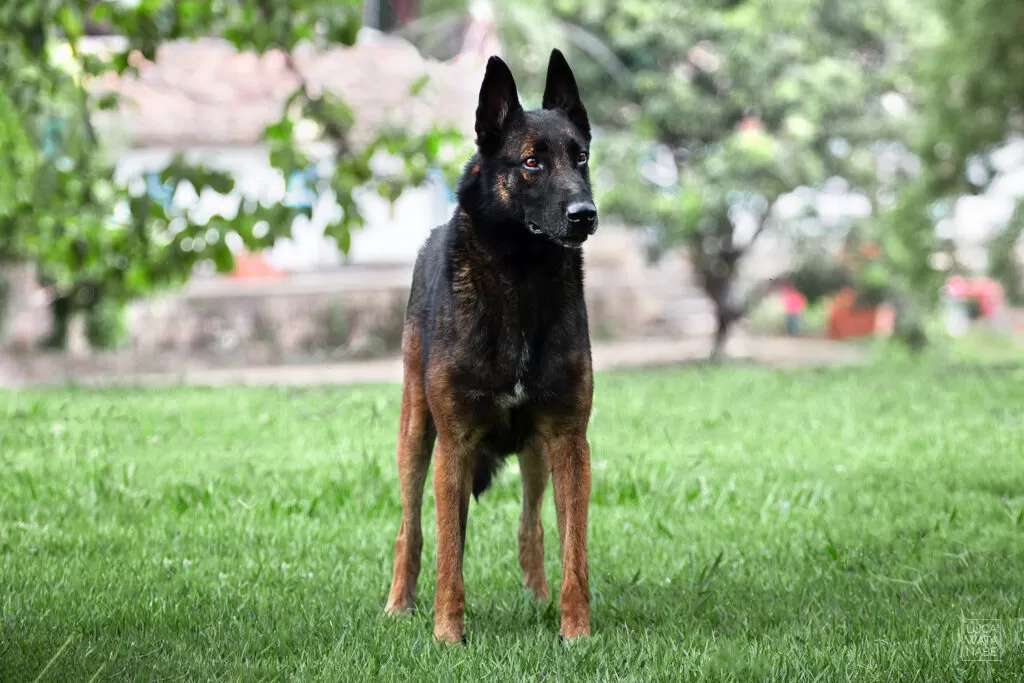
x=432, y=277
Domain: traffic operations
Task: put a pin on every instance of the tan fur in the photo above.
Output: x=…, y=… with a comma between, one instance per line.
x=452, y=486
x=504, y=189
x=535, y=468
x=567, y=449
x=527, y=145
x=570, y=457
x=415, y=443
x=463, y=281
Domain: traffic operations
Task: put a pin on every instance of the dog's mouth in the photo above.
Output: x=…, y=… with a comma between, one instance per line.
x=564, y=242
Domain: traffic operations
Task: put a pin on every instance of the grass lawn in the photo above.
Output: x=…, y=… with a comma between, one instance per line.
x=746, y=524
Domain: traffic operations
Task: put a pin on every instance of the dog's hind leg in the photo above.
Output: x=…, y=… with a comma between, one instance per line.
x=535, y=468
x=570, y=459
x=416, y=438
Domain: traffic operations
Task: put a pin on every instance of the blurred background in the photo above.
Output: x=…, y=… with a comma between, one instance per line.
x=191, y=188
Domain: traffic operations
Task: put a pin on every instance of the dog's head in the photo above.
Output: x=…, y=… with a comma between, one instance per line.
x=535, y=164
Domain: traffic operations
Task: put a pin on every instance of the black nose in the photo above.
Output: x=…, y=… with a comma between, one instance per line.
x=582, y=215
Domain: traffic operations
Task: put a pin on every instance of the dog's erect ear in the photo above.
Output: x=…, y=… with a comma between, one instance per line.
x=560, y=92
x=498, y=101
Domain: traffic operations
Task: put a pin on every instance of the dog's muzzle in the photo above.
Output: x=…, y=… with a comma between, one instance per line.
x=582, y=218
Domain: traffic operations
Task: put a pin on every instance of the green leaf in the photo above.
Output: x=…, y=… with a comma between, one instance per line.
x=223, y=258
x=64, y=209
x=222, y=183
x=281, y=131
x=344, y=239
x=71, y=22
x=108, y=101
x=417, y=86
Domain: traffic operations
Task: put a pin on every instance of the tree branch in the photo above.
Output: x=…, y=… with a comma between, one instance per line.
x=753, y=238
x=331, y=130
x=762, y=290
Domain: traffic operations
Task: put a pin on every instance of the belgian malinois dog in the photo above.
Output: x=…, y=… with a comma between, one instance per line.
x=496, y=348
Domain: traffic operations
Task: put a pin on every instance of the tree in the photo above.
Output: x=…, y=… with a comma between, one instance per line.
x=973, y=103
x=710, y=112
x=94, y=240
x=747, y=101
x=1003, y=260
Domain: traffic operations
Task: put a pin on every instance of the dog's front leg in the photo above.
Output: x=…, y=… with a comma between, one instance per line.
x=570, y=464
x=452, y=485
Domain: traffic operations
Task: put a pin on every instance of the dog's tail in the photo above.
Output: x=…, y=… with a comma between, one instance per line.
x=485, y=466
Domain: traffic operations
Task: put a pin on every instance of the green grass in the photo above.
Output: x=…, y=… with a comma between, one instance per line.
x=746, y=525
x=982, y=346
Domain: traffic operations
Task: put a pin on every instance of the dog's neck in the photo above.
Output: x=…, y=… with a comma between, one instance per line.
x=512, y=250
x=528, y=292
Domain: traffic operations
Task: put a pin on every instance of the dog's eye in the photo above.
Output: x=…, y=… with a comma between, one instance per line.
x=531, y=162
x=581, y=158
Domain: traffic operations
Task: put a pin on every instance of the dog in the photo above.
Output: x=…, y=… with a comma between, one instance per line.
x=496, y=348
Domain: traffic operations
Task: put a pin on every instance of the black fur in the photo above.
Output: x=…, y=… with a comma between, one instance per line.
x=497, y=292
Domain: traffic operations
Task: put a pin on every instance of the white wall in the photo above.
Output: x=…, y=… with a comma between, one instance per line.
x=391, y=235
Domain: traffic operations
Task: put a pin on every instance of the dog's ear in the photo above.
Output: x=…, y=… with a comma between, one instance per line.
x=498, y=101
x=561, y=92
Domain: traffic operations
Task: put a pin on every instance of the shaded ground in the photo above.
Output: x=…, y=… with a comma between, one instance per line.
x=746, y=524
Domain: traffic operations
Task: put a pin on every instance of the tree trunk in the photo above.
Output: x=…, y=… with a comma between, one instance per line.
x=908, y=326
x=718, y=287
x=61, y=308
x=722, y=329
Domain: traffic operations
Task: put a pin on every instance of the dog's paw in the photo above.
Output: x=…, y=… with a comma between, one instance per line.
x=450, y=634
x=570, y=633
x=539, y=593
x=400, y=607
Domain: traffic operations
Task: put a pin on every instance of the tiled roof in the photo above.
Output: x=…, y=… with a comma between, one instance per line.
x=205, y=93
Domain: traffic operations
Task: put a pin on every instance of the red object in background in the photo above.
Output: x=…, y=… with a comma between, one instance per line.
x=254, y=266
x=750, y=124
x=988, y=293
x=957, y=287
x=846, y=321
x=793, y=302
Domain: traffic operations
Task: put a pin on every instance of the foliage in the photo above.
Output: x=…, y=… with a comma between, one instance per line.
x=106, y=325
x=906, y=100
x=972, y=103
x=819, y=278
x=59, y=203
x=1003, y=260
x=857, y=265
x=743, y=103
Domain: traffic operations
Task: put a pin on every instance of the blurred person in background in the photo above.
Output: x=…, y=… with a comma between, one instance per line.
x=794, y=303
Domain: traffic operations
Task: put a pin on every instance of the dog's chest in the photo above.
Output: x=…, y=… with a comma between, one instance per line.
x=520, y=362
x=511, y=344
